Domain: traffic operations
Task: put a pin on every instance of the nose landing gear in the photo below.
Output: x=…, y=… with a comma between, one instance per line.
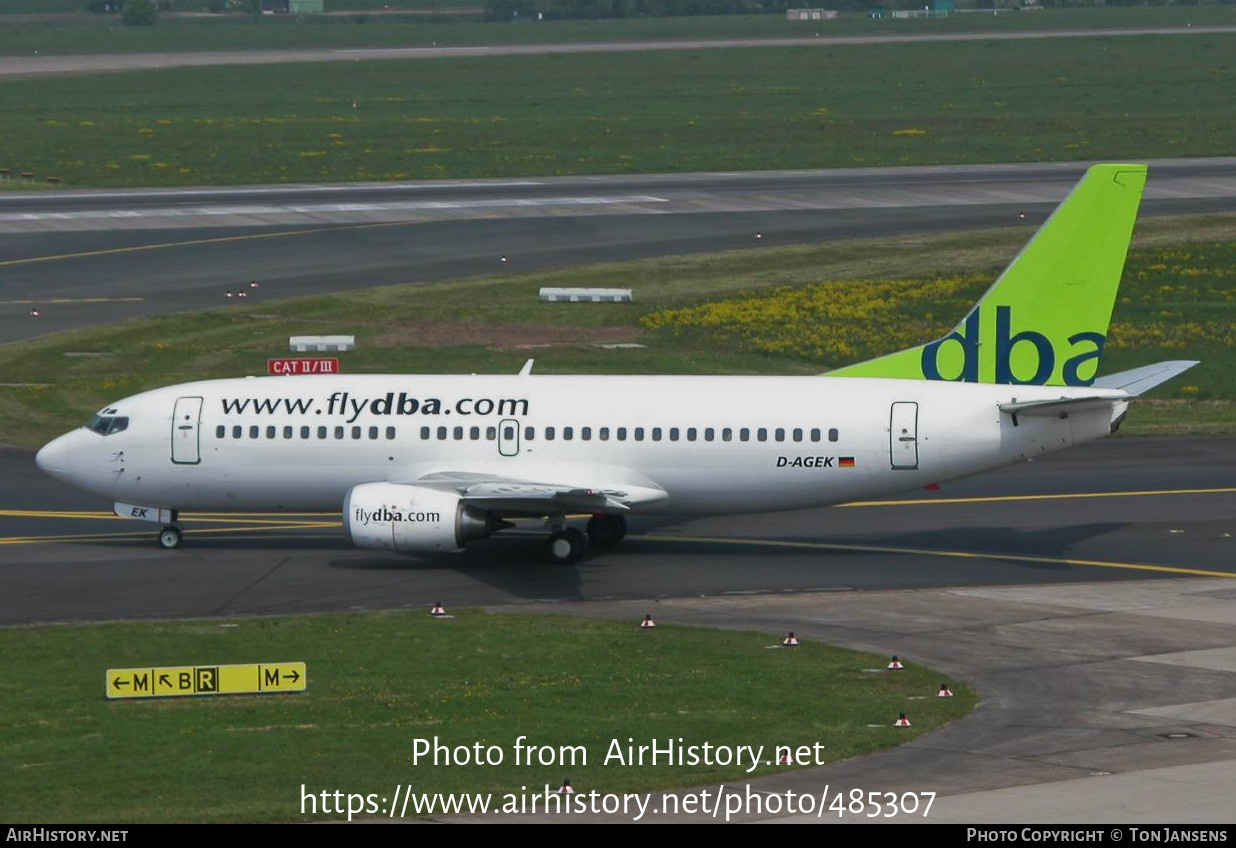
x=169, y=537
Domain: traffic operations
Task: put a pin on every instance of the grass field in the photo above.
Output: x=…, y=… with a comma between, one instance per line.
x=104, y=34
x=709, y=110
x=379, y=681
x=1177, y=301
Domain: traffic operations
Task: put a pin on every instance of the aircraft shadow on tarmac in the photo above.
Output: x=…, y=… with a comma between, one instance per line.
x=507, y=552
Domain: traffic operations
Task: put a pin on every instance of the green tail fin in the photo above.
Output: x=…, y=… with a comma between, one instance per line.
x=1044, y=321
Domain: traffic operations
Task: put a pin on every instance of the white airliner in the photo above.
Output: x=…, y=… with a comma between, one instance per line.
x=421, y=464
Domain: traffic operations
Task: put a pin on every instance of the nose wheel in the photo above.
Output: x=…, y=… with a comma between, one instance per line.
x=169, y=538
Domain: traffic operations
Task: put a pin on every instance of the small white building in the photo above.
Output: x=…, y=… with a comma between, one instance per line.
x=810, y=14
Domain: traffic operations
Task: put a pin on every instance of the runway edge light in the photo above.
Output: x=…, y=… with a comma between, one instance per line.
x=191, y=680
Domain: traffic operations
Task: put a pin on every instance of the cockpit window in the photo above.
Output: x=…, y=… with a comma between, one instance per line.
x=105, y=425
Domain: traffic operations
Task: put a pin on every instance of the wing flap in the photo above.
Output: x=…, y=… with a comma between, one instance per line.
x=530, y=497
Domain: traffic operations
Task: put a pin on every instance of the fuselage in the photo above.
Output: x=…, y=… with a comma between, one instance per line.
x=712, y=444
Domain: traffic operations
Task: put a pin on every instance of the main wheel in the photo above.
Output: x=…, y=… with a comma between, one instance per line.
x=566, y=546
x=606, y=530
x=169, y=538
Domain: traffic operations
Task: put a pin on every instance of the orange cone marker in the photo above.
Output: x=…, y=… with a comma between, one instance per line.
x=944, y=692
x=438, y=610
x=895, y=664
x=647, y=622
x=790, y=641
x=902, y=721
x=785, y=760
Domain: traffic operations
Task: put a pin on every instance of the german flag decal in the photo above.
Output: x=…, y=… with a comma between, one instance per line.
x=845, y=462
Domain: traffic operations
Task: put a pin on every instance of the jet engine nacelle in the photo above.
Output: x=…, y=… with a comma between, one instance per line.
x=412, y=519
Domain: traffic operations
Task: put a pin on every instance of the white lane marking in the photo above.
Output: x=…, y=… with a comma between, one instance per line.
x=157, y=194
x=318, y=208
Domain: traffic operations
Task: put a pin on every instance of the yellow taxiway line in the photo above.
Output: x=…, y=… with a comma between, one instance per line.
x=140, y=248
x=937, y=552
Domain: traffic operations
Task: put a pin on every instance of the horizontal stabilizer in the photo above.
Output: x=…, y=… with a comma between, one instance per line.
x=1138, y=381
x=1061, y=406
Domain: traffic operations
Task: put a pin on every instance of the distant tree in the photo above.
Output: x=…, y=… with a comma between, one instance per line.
x=140, y=13
x=101, y=7
x=217, y=6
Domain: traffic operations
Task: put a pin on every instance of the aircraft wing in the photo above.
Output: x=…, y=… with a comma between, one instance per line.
x=509, y=496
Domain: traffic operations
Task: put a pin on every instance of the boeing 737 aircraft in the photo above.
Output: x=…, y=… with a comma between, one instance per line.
x=420, y=464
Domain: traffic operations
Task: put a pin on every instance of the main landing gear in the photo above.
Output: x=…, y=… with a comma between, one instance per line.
x=606, y=530
x=567, y=544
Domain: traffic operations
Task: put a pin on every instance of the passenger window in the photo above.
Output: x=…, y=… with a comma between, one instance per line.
x=549, y=434
x=529, y=434
x=833, y=434
x=585, y=433
x=425, y=433
x=656, y=434
x=390, y=433
x=568, y=433
x=691, y=434
x=673, y=434
x=338, y=432
x=508, y=433
x=373, y=433
x=321, y=432
x=798, y=434
x=744, y=434
x=622, y=434
x=236, y=431
x=815, y=434
x=604, y=434
x=442, y=434
x=220, y=431
x=779, y=435
x=270, y=432
x=709, y=433
x=458, y=433
x=639, y=434
x=491, y=433
x=304, y=432
x=762, y=434
x=727, y=435
x=474, y=433
x=287, y=432
x=254, y=431
x=356, y=432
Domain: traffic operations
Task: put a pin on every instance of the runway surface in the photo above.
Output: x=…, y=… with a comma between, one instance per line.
x=25, y=66
x=85, y=258
x=1126, y=508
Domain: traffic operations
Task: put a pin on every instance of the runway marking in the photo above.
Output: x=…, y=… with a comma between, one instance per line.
x=72, y=300
x=244, y=518
x=319, y=208
x=1059, y=497
x=108, y=537
x=935, y=552
x=197, y=242
x=284, y=516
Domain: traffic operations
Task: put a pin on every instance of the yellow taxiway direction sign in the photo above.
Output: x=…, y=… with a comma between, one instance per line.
x=176, y=681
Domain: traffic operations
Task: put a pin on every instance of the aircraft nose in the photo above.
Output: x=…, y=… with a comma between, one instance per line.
x=54, y=456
